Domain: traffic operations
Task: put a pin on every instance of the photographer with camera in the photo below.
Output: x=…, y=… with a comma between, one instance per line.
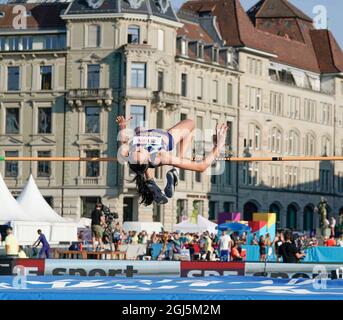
x=288, y=250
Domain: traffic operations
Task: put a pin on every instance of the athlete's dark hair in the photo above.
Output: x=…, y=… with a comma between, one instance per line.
x=147, y=196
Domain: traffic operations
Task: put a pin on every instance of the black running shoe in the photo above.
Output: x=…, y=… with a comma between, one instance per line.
x=159, y=197
x=172, y=181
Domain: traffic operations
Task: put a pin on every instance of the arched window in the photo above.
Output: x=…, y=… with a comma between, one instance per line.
x=275, y=208
x=248, y=210
x=308, y=218
x=293, y=143
x=276, y=145
x=254, y=137
x=291, y=222
x=133, y=34
x=310, y=145
x=326, y=146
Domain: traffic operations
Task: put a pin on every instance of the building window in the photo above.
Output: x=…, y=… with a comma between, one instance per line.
x=200, y=51
x=309, y=146
x=228, y=173
x=291, y=177
x=212, y=210
x=181, y=209
x=228, y=206
x=44, y=167
x=183, y=47
x=46, y=77
x=254, y=66
x=94, y=36
x=251, y=174
x=325, y=146
x=310, y=107
x=160, y=82
x=133, y=35
x=138, y=116
x=184, y=84
x=92, y=120
x=254, y=137
x=254, y=98
x=326, y=113
x=92, y=168
x=138, y=75
x=199, y=88
x=160, y=41
x=44, y=120
x=294, y=107
x=276, y=135
x=293, y=143
x=197, y=177
x=11, y=167
x=93, y=76
x=13, y=78
x=229, y=94
x=182, y=174
x=215, y=91
x=275, y=176
x=159, y=119
x=12, y=121
x=276, y=103
x=324, y=179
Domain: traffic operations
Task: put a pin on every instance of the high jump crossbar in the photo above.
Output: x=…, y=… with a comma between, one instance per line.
x=231, y=159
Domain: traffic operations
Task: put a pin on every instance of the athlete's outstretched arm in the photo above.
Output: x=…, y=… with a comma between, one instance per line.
x=123, y=135
x=201, y=166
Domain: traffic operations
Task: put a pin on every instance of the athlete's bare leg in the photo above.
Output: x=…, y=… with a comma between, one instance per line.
x=183, y=133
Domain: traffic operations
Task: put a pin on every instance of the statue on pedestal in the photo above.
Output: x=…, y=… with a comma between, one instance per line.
x=322, y=211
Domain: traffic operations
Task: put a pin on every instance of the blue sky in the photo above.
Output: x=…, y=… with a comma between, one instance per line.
x=334, y=12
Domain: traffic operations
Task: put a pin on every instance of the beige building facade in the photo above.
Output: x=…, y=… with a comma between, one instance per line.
x=64, y=83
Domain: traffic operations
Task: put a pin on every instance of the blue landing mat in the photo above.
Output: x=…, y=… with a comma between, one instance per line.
x=168, y=288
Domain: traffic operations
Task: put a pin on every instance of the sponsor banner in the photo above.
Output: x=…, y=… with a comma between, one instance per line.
x=64, y=267
x=32, y=267
x=294, y=270
x=208, y=268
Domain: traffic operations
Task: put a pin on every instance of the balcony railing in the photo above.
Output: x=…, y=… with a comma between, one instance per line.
x=76, y=97
x=166, y=99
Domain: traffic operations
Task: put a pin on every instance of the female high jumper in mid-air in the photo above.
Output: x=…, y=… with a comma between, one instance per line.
x=149, y=149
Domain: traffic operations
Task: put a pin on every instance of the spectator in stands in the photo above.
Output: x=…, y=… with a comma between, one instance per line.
x=11, y=243
x=340, y=241
x=21, y=253
x=268, y=240
x=288, y=250
x=254, y=240
x=98, y=222
x=235, y=255
x=134, y=237
x=244, y=238
x=117, y=236
x=44, y=251
x=277, y=244
x=208, y=246
x=224, y=246
x=313, y=242
x=331, y=242
x=263, y=249
x=143, y=237
x=194, y=250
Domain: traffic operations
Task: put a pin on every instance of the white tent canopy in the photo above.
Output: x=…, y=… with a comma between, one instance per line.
x=34, y=204
x=9, y=208
x=202, y=225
